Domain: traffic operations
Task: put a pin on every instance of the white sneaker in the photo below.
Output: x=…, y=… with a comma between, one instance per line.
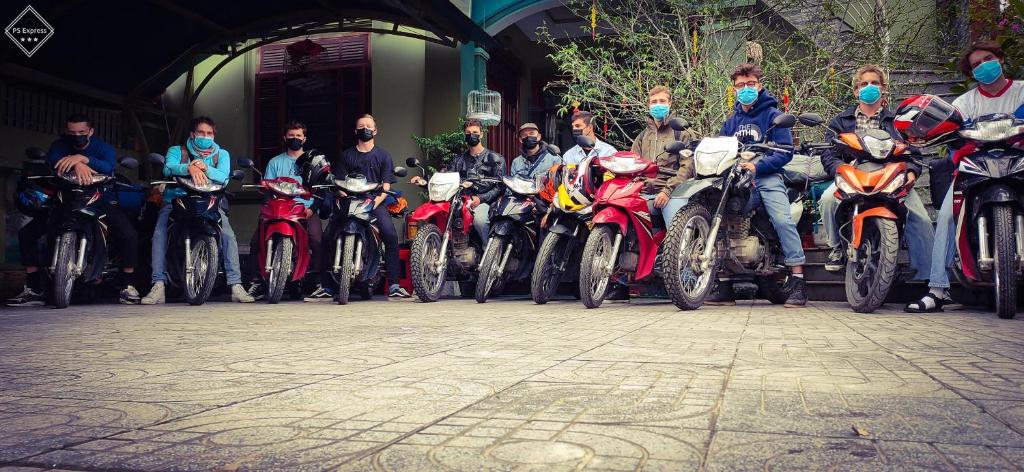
x=238, y=294
x=156, y=295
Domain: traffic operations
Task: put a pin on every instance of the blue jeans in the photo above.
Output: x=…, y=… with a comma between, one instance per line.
x=945, y=243
x=919, y=233
x=771, y=190
x=482, y=221
x=228, y=244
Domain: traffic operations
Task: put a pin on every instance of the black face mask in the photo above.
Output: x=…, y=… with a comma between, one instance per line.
x=472, y=139
x=76, y=141
x=294, y=144
x=364, y=134
x=530, y=142
x=584, y=142
x=577, y=131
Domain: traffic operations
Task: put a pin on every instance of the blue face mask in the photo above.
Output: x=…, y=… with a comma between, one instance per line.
x=747, y=95
x=870, y=94
x=659, y=112
x=202, y=142
x=988, y=72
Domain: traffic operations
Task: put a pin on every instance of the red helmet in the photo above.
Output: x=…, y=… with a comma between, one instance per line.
x=925, y=119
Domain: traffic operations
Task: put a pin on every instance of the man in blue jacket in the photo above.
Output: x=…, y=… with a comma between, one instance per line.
x=752, y=116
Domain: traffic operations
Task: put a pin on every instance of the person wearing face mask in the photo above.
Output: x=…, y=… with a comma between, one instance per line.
x=870, y=85
x=367, y=159
x=996, y=93
x=476, y=161
x=204, y=161
x=535, y=159
x=753, y=113
x=587, y=143
x=81, y=152
x=287, y=164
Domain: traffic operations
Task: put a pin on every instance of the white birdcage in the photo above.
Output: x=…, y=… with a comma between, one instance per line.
x=484, y=105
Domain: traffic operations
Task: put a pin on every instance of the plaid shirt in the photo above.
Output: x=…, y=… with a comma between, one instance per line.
x=865, y=122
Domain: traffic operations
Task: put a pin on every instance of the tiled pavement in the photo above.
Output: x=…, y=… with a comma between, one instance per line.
x=508, y=386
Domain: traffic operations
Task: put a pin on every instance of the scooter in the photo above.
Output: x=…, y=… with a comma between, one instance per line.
x=283, y=253
x=512, y=245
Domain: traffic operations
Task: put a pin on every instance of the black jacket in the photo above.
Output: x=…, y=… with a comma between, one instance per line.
x=846, y=122
x=469, y=166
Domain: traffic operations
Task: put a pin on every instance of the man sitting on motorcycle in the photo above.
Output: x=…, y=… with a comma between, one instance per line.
x=870, y=85
x=536, y=159
x=995, y=93
x=80, y=151
x=752, y=115
x=587, y=144
x=477, y=161
x=202, y=160
x=290, y=163
x=376, y=164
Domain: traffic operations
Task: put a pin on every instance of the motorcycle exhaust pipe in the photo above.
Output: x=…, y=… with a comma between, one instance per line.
x=270, y=255
x=80, y=263
x=337, y=255
x=985, y=259
x=615, y=253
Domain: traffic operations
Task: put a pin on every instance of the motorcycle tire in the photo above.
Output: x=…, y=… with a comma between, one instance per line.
x=204, y=264
x=489, y=276
x=1005, y=264
x=280, y=269
x=545, y=277
x=426, y=284
x=676, y=257
x=64, y=275
x=348, y=265
x=869, y=279
x=594, y=281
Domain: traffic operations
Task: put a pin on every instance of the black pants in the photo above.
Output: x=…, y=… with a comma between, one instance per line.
x=122, y=238
x=392, y=263
x=315, y=230
x=29, y=237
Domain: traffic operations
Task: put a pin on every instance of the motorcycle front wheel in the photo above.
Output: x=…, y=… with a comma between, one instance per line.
x=203, y=265
x=546, y=275
x=489, y=276
x=688, y=236
x=348, y=266
x=280, y=268
x=64, y=276
x=597, y=258
x=427, y=275
x=871, y=275
x=1005, y=264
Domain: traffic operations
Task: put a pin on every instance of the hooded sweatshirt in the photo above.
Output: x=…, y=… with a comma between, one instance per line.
x=754, y=123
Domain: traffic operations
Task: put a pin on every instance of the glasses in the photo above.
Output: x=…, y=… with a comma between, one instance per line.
x=751, y=83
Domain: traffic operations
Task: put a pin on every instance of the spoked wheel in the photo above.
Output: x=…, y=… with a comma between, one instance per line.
x=685, y=281
x=1005, y=264
x=281, y=268
x=203, y=264
x=64, y=276
x=348, y=266
x=546, y=273
x=870, y=276
x=490, y=278
x=428, y=275
x=597, y=266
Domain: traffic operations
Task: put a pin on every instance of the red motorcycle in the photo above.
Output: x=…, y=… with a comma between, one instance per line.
x=623, y=241
x=283, y=254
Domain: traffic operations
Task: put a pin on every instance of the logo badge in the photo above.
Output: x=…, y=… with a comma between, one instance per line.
x=29, y=31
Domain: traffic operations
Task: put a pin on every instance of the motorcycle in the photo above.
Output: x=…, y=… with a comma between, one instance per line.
x=351, y=228
x=194, y=234
x=988, y=202
x=716, y=232
x=871, y=214
x=79, y=231
x=445, y=246
x=283, y=253
x=512, y=245
x=623, y=242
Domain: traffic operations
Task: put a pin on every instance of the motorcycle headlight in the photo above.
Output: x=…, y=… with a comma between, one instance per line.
x=896, y=184
x=441, y=192
x=355, y=184
x=286, y=188
x=72, y=177
x=623, y=165
x=210, y=186
x=706, y=163
x=995, y=130
x=844, y=186
x=878, y=148
x=520, y=186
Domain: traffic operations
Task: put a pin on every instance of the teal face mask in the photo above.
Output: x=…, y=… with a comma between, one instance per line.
x=870, y=94
x=747, y=95
x=202, y=142
x=659, y=112
x=988, y=72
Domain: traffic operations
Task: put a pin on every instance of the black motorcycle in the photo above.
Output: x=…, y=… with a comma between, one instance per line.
x=194, y=233
x=512, y=244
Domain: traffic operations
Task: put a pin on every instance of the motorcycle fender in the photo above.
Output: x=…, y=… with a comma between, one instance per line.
x=610, y=215
x=690, y=188
x=561, y=226
x=297, y=233
x=502, y=227
x=858, y=222
x=352, y=226
x=436, y=213
x=995, y=193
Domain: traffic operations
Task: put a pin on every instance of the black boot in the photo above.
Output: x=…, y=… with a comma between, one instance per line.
x=722, y=295
x=796, y=288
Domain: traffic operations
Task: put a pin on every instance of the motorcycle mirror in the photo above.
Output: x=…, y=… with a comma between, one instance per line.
x=400, y=171
x=784, y=120
x=678, y=124
x=237, y=174
x=810, y=119
x=552, y=149
x=246, y=163
x=675, y=147
x=129, y=163
x=155, y=158
x=412, y=162
x=35, y=154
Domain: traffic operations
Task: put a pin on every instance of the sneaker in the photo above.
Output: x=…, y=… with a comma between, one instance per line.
x=27, y=297
x=257, y=291
x=129, y=296
x=619, y=293
x=836, y=261
x=398, y=292
x=722, y=295
x=795, y=287
x=156, y=295
x=319, y=295
x=238, y=294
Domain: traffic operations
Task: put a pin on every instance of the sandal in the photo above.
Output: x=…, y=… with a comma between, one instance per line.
x=920, y=306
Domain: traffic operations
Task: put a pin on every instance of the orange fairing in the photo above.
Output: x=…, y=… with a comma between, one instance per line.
x=851, y=140
x=858, y=222
x=870, y=182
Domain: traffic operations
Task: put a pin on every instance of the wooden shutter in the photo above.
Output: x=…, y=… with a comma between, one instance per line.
x=269, y=119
